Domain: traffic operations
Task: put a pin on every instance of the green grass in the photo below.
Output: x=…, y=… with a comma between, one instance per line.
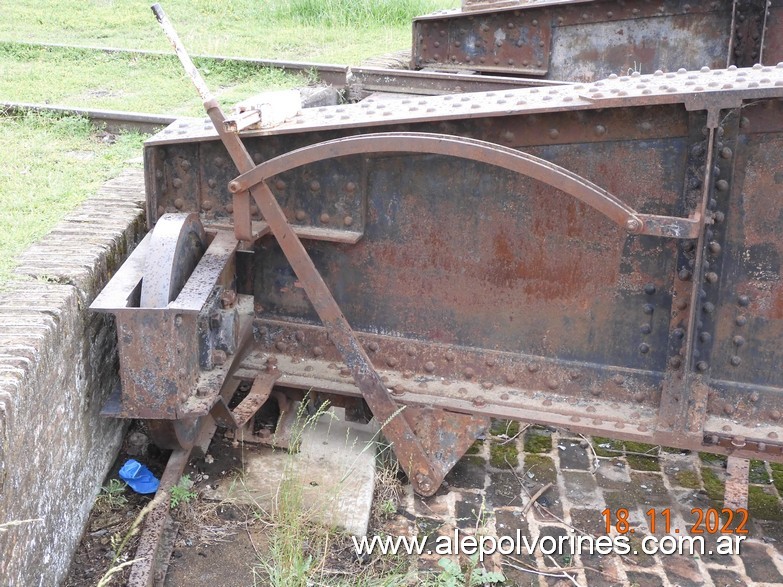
x=49, y=165
x=339, y=31
x=123, y=82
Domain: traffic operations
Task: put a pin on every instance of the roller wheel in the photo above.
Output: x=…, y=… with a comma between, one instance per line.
x=177, y=244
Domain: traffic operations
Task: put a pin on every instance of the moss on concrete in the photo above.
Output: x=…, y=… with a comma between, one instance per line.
x=504, y=428
x=689, y=479
x=503, y=456
x=641, y=463
x=763, y=505
x=712, y=459
x=641, y=447
x=712, y=484
x=758, y=473
x=777, y=480
x=537, y=443
x=606, y=447
x=542, y=468
x=475, y=448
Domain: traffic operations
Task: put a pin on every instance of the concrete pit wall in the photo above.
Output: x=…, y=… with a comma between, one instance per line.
x=58, y=363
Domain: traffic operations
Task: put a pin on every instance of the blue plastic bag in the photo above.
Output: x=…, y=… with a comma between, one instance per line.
x=139, y=477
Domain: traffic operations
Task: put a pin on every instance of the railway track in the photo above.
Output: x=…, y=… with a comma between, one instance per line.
x=354, y=82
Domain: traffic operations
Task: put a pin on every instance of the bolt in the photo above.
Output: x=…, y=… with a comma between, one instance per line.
x=738, y=441
x=633, y=225
x=424, y=482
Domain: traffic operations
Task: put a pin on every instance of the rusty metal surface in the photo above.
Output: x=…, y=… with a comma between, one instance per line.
x=586, y=40
x=483, y=292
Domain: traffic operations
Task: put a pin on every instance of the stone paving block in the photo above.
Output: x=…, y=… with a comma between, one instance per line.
x=563, y=556
x=469, y=510
x=759, y=564
x=581, y=488
x=682, y=571
x=469, y=473
x=588, y=520
x=613, y=474
x=649, y=489
x=552, y=506
x=637, y=579
x=504, y=490
x=726, y=578
x=572, y=455
x=601, y=571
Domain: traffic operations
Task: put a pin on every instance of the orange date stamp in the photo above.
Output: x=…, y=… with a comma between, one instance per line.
x=703, y=521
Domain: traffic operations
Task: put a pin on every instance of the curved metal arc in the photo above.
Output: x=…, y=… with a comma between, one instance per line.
x=437, y=144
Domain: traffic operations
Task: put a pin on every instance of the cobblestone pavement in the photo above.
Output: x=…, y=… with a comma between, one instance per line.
x=489, y=490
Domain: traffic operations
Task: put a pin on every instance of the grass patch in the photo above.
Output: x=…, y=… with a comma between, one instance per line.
x=115, y=81
x=641, y=463
x=777, y=480
x=475, y=448
x=48, y=166
x=712, y=485
x=689, y=479
x=340, y=31
x=641, y=447
x=763, y=505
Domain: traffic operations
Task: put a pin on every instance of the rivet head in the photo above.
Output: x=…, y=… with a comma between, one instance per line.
x=392, y=361
x=715, y=248
x=206, y=205
x=775, y=415
x=553, y=133
x=281, y=346
x=479, y=402
x=639, y=397
x=449, y=356
x=644, y=348
x=681, y=304
x=345, y=372
x=177, y=183
x=410, y=350
x=735, y=360
x=280, y=184
x=469, y=373
x=533, y=367
x=726, y=153
x=348, y=220
x=510, y=378
x=648, y=309
x=722, y=185
x=711, y=277
x=679, y=332
x=633, y=225
x=373, y=346
x=772, y=435
x=702, y=366
x=299, y=336
x=504, y=396
x=649, y=289
x=684, y=275
x=350, y=187
x=675, y=362
x=596, y=391
x=754, y=397
x=743, y=301
x=179, y=203
x=429, y=366
x=705, y=337
x=552, y=384
x=212, y=183
x=315, y=186
x=618, y=379
x=300, y=215
x=645, y=329
x=708, y=307
x=741, y=320
x=600, y=129
x=324, y=218
x=728, y=409
x=487, y=385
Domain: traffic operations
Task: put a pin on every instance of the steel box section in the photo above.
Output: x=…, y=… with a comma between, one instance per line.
x=481, y=291
x=587, y=40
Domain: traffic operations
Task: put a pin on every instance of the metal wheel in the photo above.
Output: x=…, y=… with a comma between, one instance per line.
x=177, y=244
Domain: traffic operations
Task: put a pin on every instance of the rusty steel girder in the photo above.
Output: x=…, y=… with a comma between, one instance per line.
x=587, y=40
x=603, y=257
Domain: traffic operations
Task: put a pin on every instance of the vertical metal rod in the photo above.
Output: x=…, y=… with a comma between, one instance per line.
x=420, y=468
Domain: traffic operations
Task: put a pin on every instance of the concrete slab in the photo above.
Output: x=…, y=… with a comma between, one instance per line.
x=334, y=469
